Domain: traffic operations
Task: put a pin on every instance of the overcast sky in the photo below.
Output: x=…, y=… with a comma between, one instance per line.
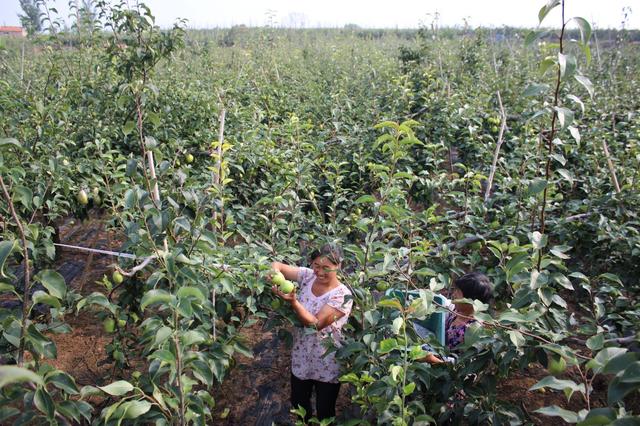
x=372, y=13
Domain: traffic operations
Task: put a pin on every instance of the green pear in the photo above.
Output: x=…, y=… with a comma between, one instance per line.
x=82, y=197
x=278, y=279
x=557, y=365
x=109, y=325
x=286, y=287
x=117, y=277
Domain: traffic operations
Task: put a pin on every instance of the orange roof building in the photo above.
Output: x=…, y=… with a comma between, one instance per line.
x=13, y=31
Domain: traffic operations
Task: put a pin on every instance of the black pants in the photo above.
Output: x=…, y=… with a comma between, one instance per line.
x=326, y=396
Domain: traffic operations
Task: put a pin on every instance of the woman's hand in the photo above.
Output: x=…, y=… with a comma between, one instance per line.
x=289, y=272
x=289, y=297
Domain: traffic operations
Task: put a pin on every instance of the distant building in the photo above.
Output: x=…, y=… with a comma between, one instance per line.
x=13, y=31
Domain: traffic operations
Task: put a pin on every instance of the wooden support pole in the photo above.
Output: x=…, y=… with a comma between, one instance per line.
x=612, y=169
x=217, y=174
x=496, y=153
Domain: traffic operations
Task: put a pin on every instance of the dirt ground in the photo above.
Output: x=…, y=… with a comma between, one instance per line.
x=256, y=391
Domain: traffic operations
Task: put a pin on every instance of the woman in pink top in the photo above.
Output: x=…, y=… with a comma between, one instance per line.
x=320, y=301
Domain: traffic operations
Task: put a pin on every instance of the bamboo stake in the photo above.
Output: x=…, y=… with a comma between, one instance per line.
x=22, y=65
x=218, y=167
x=612, y=169
x=494, y=163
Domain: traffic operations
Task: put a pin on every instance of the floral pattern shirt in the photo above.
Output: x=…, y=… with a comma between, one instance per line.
x=307, y=355
x=455, y=333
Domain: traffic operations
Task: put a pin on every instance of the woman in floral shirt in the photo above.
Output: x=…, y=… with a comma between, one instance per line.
x=320, y=301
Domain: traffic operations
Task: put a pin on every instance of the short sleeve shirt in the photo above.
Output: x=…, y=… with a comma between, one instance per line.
x=308, y=360
x=455, y=333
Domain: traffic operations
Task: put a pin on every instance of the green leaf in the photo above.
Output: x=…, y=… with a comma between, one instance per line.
x=422, y=420
x=387, y=345
x=162, y=334
x=575, y=133
x=631, y=374
x=533, y=36
x=24, y=195
x=619, y=363
x=156, y=296
x=395, y=371
x=598, y=417
x=390, y=303
x=157, y=395
x=88, y=391
x=562, y=280
x=191, y=292
x=8, y=288
x=96, y=298
x=619, y=389
x=603, y=357
x=10, y=142
x=408, y=389
x=6, y=413
x=387, y=124
x=596, y=342
x=566, y=174
x=43, y=402
x=41, y=344
x=535, y=89
x=517, y=264
x=365, y=199
x=544, y=10
x=538, y=240
x=118, y=388
x=132, y=168
x=192, y=337
x=42, y=297
x=6, y=248
x=627, y=421
x=547, y=63
x=63, y=381
x=53, y=282
x=611, y=277
x=75, y=410
x=565, y=116
x=559, y=251
x=558, y=384
x=243, y=350
x=397, y=325
x=586, y=83
x=134, y=409
x=153, y=118
x=555, y=411
x=568, y=64
x=128, y=127
x=516, y=338
x=536, y=186
x=585, y=29
x=10, y=374
x=512, y=316
x=164, y=356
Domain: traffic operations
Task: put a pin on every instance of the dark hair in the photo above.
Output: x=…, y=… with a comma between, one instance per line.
x=475, y=286
x=332, y=251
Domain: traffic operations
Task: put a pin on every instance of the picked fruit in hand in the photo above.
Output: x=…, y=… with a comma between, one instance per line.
x=283, y=284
